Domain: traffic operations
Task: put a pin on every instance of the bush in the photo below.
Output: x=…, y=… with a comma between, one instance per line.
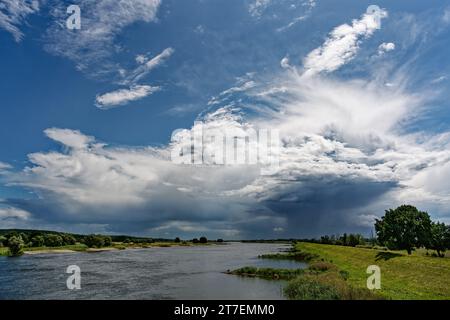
x=15, y=244
x=203, y=240
x=177, y=240
x=304, y=288
x=321, y=266
x=195, y=240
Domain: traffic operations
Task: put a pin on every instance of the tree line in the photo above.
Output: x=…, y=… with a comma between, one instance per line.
x=403, y=228
x=18, y=241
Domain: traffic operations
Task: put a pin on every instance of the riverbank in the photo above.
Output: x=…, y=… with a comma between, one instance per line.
x=83, y=248
x=339, y=272
x=402, y=277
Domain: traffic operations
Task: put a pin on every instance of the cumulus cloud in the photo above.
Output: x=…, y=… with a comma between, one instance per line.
x=385, y=47
x=342, y=44
x=13, y=14
x=123, y=96
x=339, y=154
x=344, y=156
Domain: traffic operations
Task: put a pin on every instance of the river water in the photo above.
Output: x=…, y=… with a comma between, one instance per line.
x=154, y=273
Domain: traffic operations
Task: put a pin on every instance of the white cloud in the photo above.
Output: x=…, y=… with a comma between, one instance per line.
x=342, y=44
x=14, y=213
x=4, y=166
x=338, y=147
x=70, y=138
x=94, y=44
x=439, y=79
x=147, y=65
x=13, y=14
x=284, y=63
x=385, y=47
x=123, y=96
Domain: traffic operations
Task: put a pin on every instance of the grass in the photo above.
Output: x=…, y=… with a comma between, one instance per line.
x=402, y=277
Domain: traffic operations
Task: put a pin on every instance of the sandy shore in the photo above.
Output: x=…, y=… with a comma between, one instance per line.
x=50, y=251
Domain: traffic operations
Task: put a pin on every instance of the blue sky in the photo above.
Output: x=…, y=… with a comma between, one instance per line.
x=86, y=116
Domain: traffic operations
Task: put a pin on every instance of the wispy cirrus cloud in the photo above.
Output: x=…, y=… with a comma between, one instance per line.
x=92, y=47
x=146, y=66
x=13, y=14
x=136, y=91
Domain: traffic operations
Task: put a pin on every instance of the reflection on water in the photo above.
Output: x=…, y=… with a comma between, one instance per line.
x=155, y=273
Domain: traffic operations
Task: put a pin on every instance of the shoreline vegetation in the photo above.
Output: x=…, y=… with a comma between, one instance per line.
x=338, y=272
x=18, y=242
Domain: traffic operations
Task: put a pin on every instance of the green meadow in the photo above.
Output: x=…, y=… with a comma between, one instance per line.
x=403, y=276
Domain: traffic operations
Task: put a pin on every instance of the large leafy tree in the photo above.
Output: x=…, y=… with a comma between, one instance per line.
x=440, y=238
x=404, y=228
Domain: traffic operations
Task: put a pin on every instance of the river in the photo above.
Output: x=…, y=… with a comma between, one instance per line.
x=153, y=273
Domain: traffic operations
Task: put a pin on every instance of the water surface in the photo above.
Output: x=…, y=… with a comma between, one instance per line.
x=154, y=273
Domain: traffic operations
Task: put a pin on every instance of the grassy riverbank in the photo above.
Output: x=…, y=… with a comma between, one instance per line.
x=402, y=277
x=339, y=272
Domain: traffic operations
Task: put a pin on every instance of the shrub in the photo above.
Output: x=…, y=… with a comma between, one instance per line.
x=321, y=266
x=344, y=274
x=305, y=288
x=203, y=240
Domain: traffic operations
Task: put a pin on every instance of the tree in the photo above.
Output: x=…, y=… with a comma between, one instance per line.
x=97, y=241
x=68, y=239
x=355, y=239
x=195, y=240
x=203, y=240
x=107, y=241
x=15, y=245
x=3, y=241
x=404, y=228
x=440, y=238
x=344, y=239
x=38, y=241
x=53, y=240
x=177, y=240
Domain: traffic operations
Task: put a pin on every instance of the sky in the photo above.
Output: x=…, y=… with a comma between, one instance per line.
x=357, y=93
